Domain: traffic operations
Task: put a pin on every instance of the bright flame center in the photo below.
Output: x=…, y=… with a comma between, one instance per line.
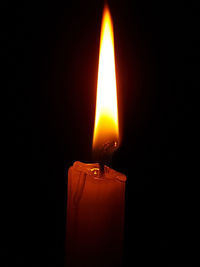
x=106, y=118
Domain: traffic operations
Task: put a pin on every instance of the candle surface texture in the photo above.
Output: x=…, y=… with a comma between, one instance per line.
x=95, y=216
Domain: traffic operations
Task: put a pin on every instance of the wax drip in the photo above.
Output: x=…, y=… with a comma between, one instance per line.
x=80, y=188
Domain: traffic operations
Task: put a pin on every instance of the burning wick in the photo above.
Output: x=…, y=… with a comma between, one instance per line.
x=106, y=130
x=105, y=155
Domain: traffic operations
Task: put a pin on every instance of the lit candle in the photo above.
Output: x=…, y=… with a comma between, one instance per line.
x=95, y=207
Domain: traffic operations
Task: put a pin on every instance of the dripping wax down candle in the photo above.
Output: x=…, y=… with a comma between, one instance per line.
x=95, y=204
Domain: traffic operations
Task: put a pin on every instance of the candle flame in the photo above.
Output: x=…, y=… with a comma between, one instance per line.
x=106, y=119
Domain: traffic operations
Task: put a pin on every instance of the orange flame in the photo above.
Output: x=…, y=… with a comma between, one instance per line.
x=106, y=119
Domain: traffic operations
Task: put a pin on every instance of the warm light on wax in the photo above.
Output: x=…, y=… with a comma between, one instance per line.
x=106, y=118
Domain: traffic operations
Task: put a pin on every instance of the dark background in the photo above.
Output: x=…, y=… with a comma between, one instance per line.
x=51, y=52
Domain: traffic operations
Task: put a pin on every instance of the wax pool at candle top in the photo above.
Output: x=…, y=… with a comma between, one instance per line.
x=94, y=171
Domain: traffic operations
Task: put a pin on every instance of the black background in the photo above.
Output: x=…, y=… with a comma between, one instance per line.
x=52, y=53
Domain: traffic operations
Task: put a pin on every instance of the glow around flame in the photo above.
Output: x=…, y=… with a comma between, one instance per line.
x=106, y=118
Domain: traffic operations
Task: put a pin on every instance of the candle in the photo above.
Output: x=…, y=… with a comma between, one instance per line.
x=95, y=214
x=95, y=207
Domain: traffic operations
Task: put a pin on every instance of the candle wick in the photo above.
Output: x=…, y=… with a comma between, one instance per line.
x=105, y=155
x=101, y=168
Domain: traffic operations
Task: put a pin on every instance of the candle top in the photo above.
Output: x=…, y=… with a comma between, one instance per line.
x=93, y=170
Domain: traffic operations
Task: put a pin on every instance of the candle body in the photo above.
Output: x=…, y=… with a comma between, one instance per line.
x=95, y=216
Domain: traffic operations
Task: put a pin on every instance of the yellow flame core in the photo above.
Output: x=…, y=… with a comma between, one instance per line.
x=106, y=118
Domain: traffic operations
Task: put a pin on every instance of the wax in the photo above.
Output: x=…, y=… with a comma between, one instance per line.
x=95, y=216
